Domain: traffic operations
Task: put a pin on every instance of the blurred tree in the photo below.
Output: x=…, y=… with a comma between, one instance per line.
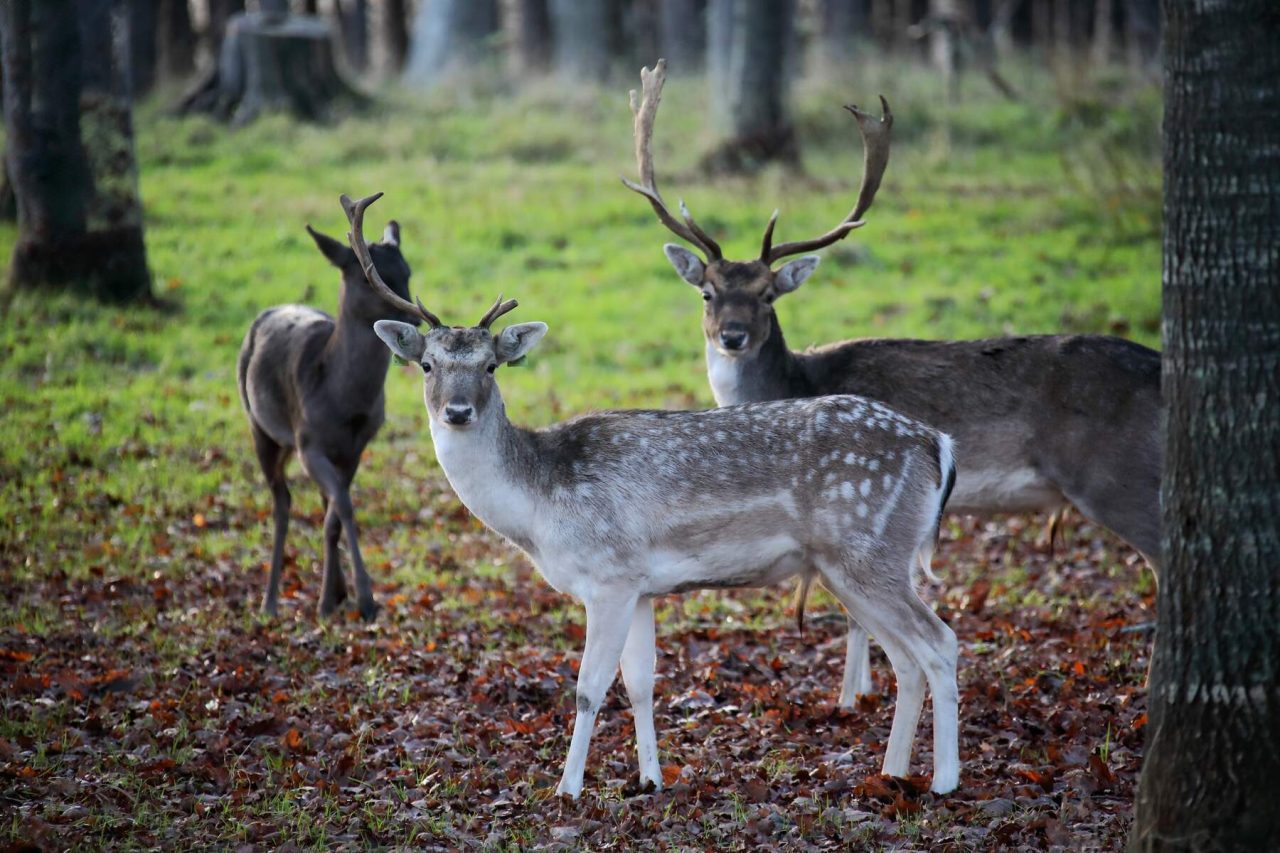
x=70, y=154
x=143, y=28
x=1211, y=774
x=750, y=84
x=842, y=24
x=587, y=37
x=176, y=49
x=450, y=36
x=217, y=14
x=683, y=35
x=353, y=24
x=391, y=42
x=272, y=61
x=640, y=33
x=1142, y=32
x=531, y=37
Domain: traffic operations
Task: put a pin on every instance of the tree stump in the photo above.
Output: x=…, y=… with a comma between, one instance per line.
x=273, y=63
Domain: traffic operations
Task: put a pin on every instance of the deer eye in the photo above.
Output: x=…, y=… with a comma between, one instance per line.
x=768, y=299
x=426, y=368
x=706, y=296
x=491, y=368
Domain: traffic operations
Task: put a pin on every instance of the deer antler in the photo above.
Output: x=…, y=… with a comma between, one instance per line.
x=355, y=216
x=875, y=141
x=495, y=311
x=646, y=110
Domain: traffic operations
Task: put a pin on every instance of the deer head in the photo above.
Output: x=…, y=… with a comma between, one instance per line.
x=357, y=298
x=457, y=362
x=738, y=296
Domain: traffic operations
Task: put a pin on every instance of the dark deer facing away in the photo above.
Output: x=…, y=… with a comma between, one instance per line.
x=1038, y=421
x=616, y=508
x=312, y=385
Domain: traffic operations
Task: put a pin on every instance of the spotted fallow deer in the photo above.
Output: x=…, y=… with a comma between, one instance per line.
x=1039, y=421
x=616, y=508
x=311, y=384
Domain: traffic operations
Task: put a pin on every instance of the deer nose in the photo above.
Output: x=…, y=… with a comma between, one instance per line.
x=458, y=413
x=733, y=339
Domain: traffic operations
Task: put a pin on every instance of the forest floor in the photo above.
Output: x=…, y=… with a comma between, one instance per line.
x=145, y=703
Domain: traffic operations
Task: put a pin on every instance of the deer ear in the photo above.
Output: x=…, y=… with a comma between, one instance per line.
x=793, y=273
x=339, y=254
x=688, y=264
x=403, y=339
x=514, y=342
x=391, y=234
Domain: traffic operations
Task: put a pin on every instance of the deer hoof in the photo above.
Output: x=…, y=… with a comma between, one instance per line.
x=369, y=610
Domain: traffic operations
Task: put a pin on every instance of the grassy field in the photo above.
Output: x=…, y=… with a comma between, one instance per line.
x=133, y=523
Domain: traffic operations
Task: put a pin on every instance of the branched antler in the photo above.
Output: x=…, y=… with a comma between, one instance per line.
x=646, y=110
x=495, y=311
x=875, y=134
x=355, y=216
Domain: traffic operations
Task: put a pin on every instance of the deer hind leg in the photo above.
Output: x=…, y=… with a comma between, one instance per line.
x=638, y=658
x=857, y=666
x=334, y=588
x=336, y=485
x=922, y=650
x=609, y=620
x=273, y=457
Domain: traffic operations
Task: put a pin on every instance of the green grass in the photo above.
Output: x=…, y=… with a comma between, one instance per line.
x=982, y=227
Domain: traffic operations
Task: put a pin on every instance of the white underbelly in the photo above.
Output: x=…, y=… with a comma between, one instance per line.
x=727, y=563
x=999, y=490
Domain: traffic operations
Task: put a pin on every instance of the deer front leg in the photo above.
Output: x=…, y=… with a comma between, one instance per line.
x=608, y=623
x=857, y=666
x=638, y=657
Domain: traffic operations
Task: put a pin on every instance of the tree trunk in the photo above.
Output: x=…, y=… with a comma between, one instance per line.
x=586, y=38
x=353, y=16
x=841, y=25
x=144, y=23
x=66, y=80
x=176, y=41
x=391, y=40
x=273, y=63
x=1211, y=775
x=639, y=34
x=945, y=18
x=220, y=14
x=450, y=37
x=1142, y=32
x=1102, y=32
x=684, y=35
x=719, y=44
x=531, y=38
x=750, y=110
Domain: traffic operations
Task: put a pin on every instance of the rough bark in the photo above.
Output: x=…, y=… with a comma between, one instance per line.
x=587, y=36
x=1211, y=775
x=750, y=108
x=70, y=147
x=684, y=35
x=273, y=63
x=450, y=37
x=531, y=37
x=176, y=41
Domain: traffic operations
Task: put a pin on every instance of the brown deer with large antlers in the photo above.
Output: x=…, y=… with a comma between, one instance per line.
x=1038, y=421
x=312, y=385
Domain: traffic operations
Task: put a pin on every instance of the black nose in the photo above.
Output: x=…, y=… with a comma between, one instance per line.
x=733, y=339
x=458, y=413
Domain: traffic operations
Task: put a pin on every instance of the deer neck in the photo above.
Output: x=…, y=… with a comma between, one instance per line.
x=489, y=467
x=770, y=373
x=356, y=361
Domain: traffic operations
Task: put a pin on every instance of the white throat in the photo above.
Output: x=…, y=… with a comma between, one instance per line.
x=472, y=462
x=725, y=375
